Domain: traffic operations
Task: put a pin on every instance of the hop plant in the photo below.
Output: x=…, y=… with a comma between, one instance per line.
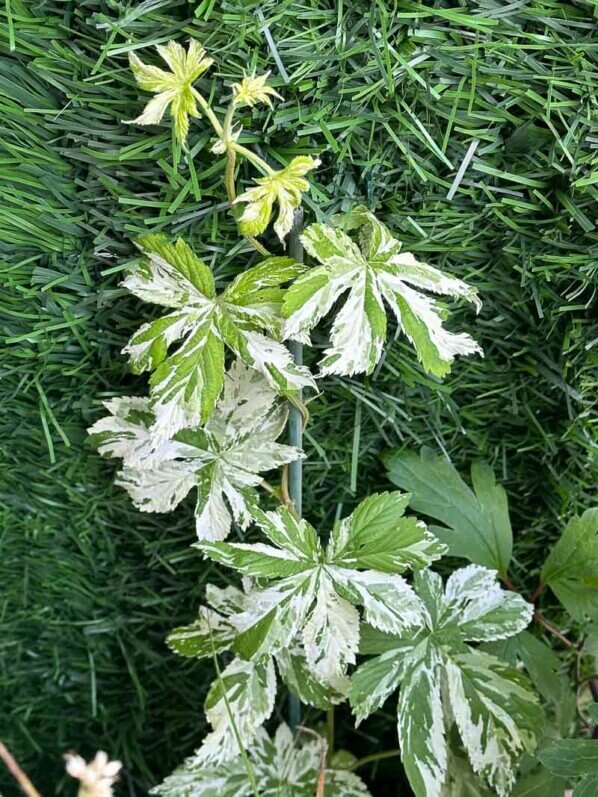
x=285, y=188
x=174, y=88
x=254, y=89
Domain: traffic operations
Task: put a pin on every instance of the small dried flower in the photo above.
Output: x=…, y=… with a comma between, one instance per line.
x=97, y=777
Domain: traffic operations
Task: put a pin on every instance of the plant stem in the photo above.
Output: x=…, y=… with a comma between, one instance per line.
x=229, y=179
x=251, y=156
x=539, y=618
x=330, y=734
x=205, y=107
x=242, y=750
x=369, y=759
x=17, y=773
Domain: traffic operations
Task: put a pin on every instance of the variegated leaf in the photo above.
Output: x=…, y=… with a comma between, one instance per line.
x=224, y=459
x=331, y=634
x=285, y=766
x=421, y=726
x=497, y=715
x=187, y=382
x=378, y=536
x=174, y=88
x=475, y=603
x=373, y=273
x=208, y=635
x=239, y=701
x=389, y=603
x=443, y=681
x=374, y=681
x=285, y=188
x=310, y=591
x=299, y=679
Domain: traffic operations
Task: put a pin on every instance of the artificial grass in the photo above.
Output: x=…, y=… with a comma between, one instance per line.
x=466, y=125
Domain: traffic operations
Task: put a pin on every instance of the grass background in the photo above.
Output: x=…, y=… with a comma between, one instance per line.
x=466, y=125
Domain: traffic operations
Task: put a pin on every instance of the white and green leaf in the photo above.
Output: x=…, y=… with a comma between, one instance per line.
x=287, y=765
x=238, y=703
x=371, y=274
x=224, y=459
x=187, y=382
x=174, y=88
x=284, y=188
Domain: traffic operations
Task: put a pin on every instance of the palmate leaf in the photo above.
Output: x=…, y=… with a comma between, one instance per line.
x=239, y=701
x=249, y=686
x=571, y=569
x=281, y=767
x=186, y=383
x=224, y=459
x=372, y=273
x=313, y=592
x=174, y=88
x=285, y=188
x=574, y=758
x=477, y=525
x=443, y=680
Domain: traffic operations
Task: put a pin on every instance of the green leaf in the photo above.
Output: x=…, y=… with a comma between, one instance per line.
x=545, y=671
x=224, y=460
x=371, y=274
x=540, y=784
x=571, y=569
x=571, y=757
x=173, y=88
x=477, y=525
x=286, y=765
x=587, y=787
x=377, y=536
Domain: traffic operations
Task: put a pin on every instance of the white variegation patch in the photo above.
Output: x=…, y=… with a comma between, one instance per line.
x=238, y=703
x=331, y=634
x=389, y=602
x=126, y=433
x=483, y=611
x=495, y=714
x=161, y=488
x=421, y=727
x=371, y=274
x=224, y=460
